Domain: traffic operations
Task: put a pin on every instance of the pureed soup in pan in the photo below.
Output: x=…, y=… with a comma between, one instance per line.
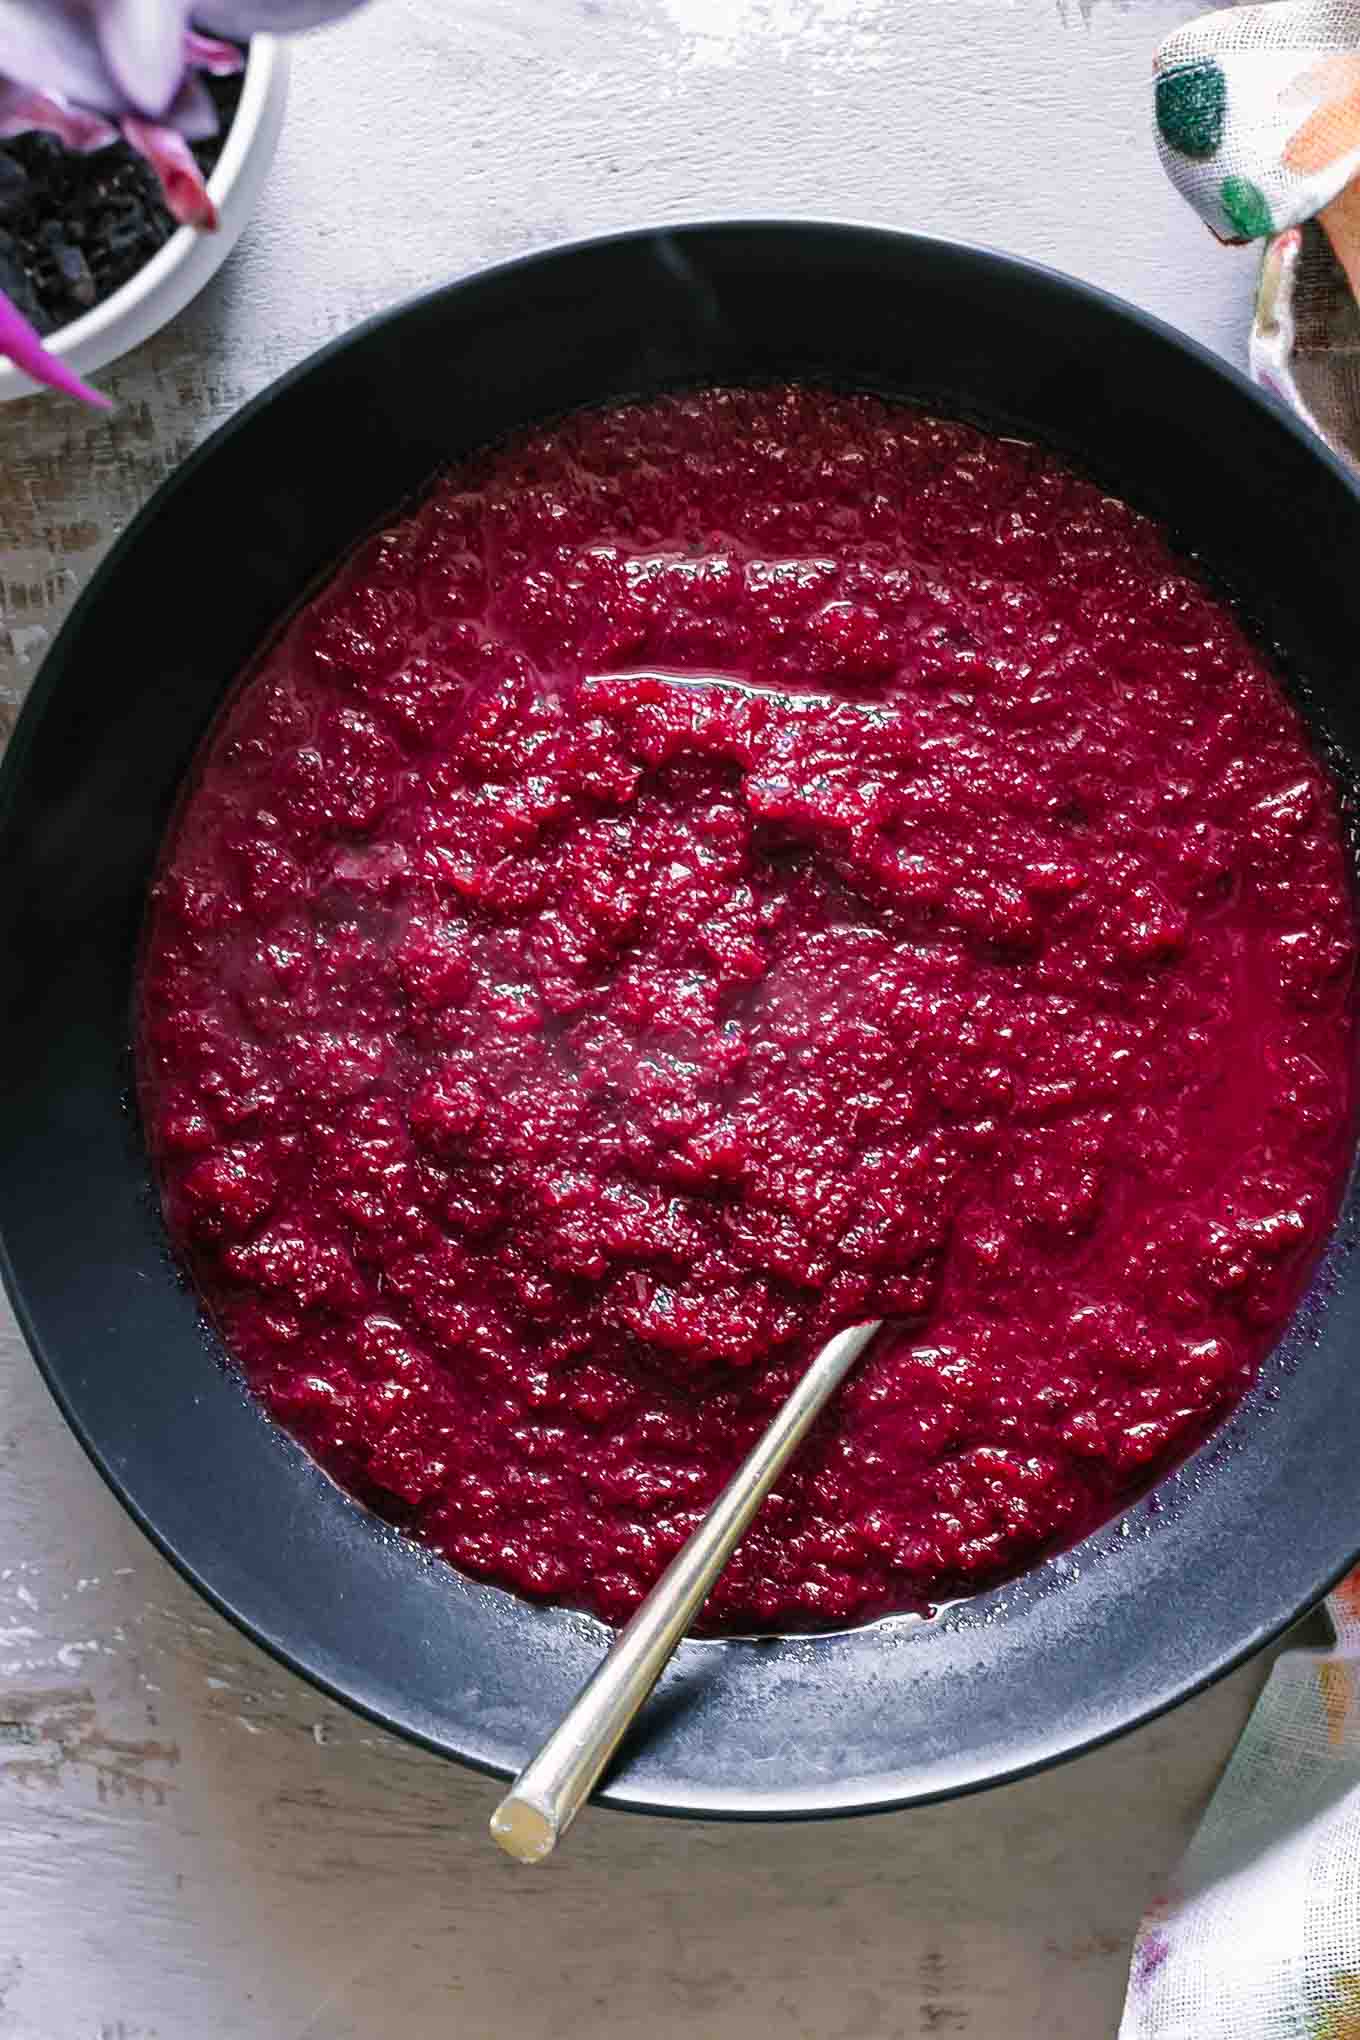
x=542, y=1056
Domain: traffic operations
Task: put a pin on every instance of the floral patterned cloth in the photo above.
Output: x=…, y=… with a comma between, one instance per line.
x=1258, y=125
x=1258, y=1935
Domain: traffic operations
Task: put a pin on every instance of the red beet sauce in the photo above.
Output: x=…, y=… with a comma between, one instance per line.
x=539, y=1065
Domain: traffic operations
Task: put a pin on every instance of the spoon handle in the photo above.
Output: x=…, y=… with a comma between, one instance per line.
x=553, y=1786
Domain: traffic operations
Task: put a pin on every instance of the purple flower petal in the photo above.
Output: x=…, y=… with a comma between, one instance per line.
x=182, y=183
x=19, y=341
x=191, y=111
x=244, y=18
x=51, y=47
x=143, y=45
x=206, y=53
x=22, y=110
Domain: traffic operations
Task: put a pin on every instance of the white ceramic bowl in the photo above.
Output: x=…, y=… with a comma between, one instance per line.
x=179, y=270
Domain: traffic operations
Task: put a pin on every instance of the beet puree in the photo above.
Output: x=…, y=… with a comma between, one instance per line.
x=539, y=1065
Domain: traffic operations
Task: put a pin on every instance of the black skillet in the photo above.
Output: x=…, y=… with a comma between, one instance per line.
x=1219, y=1559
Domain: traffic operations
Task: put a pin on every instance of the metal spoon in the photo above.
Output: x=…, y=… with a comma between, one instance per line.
x=553, y=1786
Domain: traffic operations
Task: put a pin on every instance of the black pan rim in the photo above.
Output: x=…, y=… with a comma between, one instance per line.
x=677, y=1801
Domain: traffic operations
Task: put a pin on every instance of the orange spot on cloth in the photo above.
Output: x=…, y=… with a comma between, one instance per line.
x=1336, y=1684
x=1339, y=2018
x=1332, y=128
x=1346, y=1594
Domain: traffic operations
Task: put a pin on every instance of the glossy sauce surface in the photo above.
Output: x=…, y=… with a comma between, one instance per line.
x=542, y=1056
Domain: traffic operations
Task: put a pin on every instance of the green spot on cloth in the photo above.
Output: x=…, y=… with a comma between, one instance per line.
x=1191, y=100
x=1245, y=204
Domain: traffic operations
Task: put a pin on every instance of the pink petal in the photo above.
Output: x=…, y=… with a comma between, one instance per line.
x=143, y=45
x=22, y=110
x=191, y=112
x=207, y=53
x=182, y=183
x=24, y=348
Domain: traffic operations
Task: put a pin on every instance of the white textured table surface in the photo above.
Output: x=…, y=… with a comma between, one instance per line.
x=192, y=1843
